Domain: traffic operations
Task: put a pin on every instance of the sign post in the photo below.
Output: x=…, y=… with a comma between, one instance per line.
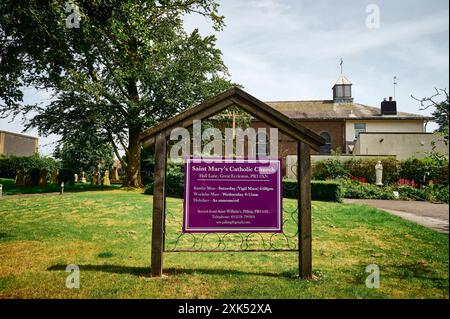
x=304, y=210
x=159, y=205
x=260, y=209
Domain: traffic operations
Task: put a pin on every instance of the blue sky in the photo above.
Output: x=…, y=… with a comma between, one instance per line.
x=290, y=50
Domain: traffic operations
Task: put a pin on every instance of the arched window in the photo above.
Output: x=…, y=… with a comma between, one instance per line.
x=325, y=149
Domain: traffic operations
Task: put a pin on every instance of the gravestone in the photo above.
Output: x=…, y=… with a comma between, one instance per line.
x=20, y=178
x=115, y=174
x=96, y=177
x=106, y=180
x=83, y=178
x=75, y=177
x=42, y=178
x=54, y=178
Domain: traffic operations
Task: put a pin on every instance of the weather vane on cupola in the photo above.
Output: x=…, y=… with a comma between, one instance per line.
x=342, y=89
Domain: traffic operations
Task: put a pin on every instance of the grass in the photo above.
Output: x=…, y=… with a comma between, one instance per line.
x=10, y=189
x=107, y=234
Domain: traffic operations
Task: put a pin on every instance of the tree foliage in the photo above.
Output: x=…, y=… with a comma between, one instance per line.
x=85, y=153
x=10, y=165
x=441, y=110
x=129, y=65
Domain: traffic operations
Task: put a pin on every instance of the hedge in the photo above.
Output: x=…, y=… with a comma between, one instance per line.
x=327, y=191
x=66, y=175
x=320, y=190
x=355, y=189
x=32, y=166
x=421, y=170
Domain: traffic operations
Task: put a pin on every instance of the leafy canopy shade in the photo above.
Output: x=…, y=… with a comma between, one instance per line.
x=129, y=65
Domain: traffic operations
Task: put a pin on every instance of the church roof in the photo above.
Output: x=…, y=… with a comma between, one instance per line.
x=328, y=110
x=234, y=96
x=343, y=80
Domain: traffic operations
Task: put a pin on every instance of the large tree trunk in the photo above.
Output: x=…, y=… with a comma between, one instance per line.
x=133, y=168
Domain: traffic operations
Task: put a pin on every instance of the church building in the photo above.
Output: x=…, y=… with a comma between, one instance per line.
x=354, y=128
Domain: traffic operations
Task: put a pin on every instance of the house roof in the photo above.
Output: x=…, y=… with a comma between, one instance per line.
x=328, y=110
x=250, y=104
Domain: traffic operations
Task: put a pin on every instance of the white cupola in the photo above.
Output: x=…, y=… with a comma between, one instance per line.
x=342, y=90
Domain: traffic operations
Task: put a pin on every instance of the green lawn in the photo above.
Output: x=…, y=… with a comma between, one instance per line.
x=108, y=235
x=10, y=189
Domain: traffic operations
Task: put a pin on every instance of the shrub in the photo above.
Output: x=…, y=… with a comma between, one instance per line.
x=358, y=169
x=439, y=193
x=329, y=191
x=320, y=190
x=11, y=164
x=365, y=168
x=329, y=169
x=355, y=189
x=326, y=191
x=7, y=169
x=33, y=175
x=32, y=166
x=66, y=175
x=424, y=170
x=419, y=170
x=174, y=181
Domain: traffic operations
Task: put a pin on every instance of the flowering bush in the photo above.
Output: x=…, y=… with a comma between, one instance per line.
x=413, y=172
x=407, y=182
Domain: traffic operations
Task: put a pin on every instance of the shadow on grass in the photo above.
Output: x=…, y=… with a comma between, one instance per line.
x=116, y=269
x=146, y=271
x=408, y=271
x=416, y=270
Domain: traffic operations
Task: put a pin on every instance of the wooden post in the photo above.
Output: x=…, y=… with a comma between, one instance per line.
x=304, y=210
x=159, y=199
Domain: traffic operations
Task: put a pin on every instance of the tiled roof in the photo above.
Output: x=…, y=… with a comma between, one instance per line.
x=327, y=109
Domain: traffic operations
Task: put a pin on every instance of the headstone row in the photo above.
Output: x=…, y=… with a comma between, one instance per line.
x=23, y=179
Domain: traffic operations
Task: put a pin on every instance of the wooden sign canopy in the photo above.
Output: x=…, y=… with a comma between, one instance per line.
x=157, y=135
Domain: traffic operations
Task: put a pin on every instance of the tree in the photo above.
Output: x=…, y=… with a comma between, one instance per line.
x=441, y=110
x=85, y=153
x=116, y=66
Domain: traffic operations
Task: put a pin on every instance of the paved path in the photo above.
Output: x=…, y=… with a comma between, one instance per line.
x=434, y=216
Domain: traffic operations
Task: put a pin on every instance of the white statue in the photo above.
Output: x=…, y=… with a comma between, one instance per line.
x=379, y=174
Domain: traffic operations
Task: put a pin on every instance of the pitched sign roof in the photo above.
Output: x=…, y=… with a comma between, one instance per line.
x=234, y=96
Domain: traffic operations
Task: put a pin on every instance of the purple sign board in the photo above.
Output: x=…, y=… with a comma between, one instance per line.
x=232, y=195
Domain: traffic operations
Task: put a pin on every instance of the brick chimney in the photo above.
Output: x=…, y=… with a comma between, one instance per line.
x=389, y=107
